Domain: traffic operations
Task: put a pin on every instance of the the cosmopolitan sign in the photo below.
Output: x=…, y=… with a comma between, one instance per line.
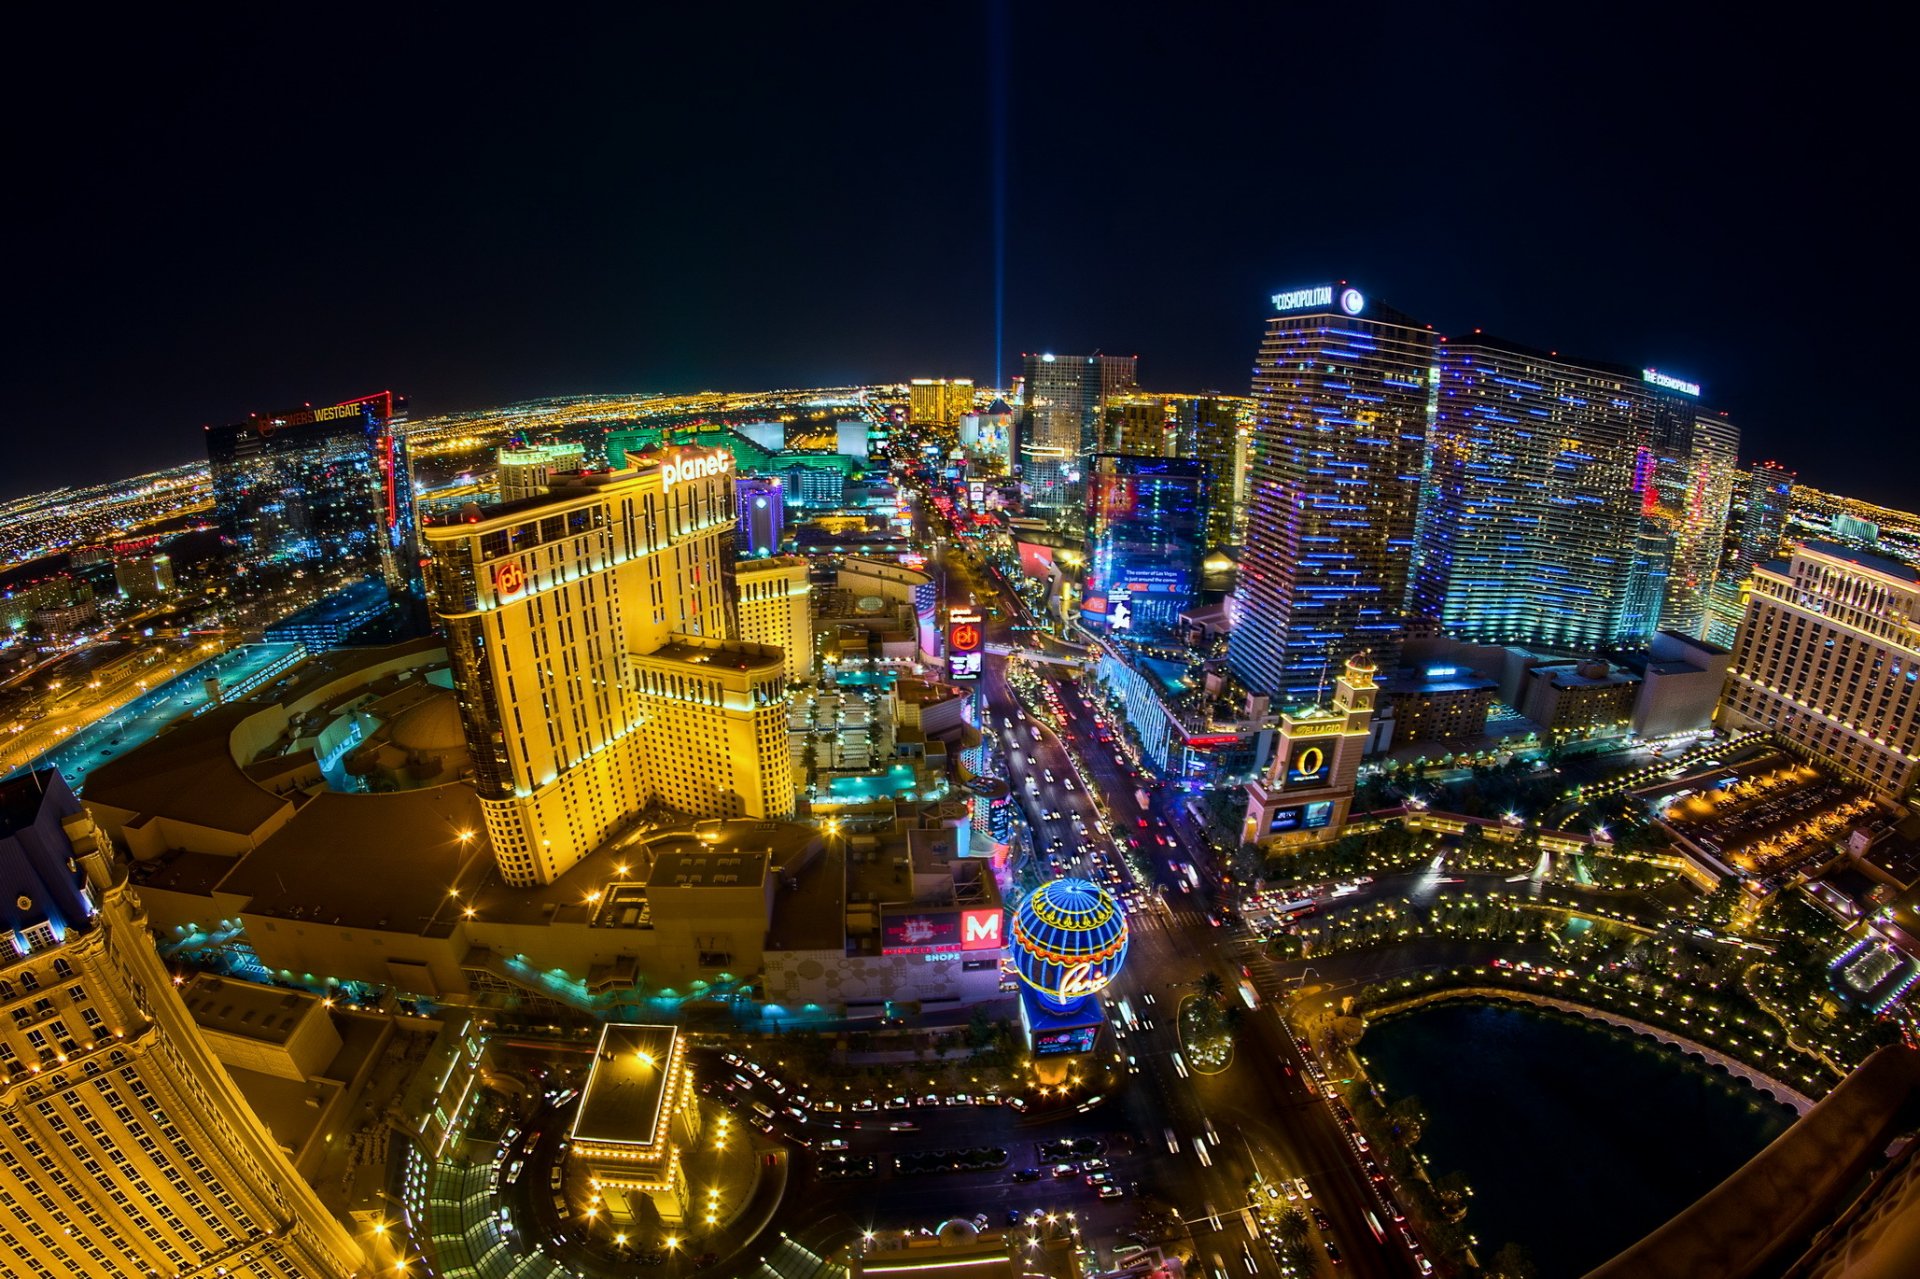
x=1352, y=301
x=1656, y=378
x=682, y=467
x=1299, y=299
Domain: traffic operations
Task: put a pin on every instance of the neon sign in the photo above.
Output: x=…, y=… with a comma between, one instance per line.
x=695, y=466
x=509, y=578
x=1299, y=299
x=1665, y=382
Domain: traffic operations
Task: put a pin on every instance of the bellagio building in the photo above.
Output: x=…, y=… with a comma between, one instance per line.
x=589, y=628
x=125, y=1148
x=1828, y=660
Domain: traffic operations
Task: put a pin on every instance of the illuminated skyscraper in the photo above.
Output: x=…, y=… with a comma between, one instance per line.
x=1537, y=528
x=1145, y=520
x=1827, y=660
x=1767, y=490
x=1140, y=425
x=330, y=486
x=1342, y=389
x=549, y=607
x=1061, y=420
x=126, y=1151
x=776, y=600
x=1211, y=429
x=525, y=472
x=762, y=502
x=938, y=401
x=1698, y=503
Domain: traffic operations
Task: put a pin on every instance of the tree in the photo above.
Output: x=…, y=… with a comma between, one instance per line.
x=1512, y=1262
x=1293, y=1226
x=1409, y=1118
x=1210, y=985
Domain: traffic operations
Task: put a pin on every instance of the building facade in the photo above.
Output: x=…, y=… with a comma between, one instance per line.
x=545, y=605
x=1145, y=526
x=1061, y=421
x=326, y=487
x=1308, y=789
x=762, y=503
x=1697, y=505
x=1828, y=661
x=938, y=401
x=525, y=472
x=127, y=1150
x=1343, y=389
x=1535, y=528
x=776, y=608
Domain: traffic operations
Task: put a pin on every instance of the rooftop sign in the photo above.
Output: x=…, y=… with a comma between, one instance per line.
x=1655, y=377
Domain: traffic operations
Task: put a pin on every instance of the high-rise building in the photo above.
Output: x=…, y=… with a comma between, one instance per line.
x=525, y=472
x=127, y=1150
x=1145, y=520
x=776, y=608
x=762, y=503
x=1061, y=419
x=1537, y=525
x=1828, y=661
x=1140, y=425
x=712, y=732
x=1211, y=428
x=548, y=605
x=1342, y=389
x=1767, y=491
x=330, y=486
x=1698, y=506
x=144, y=578
x=938, y=401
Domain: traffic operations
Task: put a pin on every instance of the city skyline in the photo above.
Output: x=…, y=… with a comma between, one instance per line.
x=434, y=269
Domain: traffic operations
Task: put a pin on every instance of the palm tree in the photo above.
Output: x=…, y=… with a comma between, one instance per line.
x=1210, y=984
x=1293, y=1226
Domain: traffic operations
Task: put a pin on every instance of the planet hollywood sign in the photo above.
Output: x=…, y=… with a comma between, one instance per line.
x=682, y=467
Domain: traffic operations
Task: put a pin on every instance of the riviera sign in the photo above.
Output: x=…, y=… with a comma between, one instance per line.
x=1659, y=379
x=694, y=466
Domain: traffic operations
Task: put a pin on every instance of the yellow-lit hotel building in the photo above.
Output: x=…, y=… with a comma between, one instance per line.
x=592, y=642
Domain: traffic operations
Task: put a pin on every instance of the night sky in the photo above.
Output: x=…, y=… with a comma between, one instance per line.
x=286, y=204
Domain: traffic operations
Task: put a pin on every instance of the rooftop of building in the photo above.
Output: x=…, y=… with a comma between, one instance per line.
x=1584, y=675
x=38, y=881
x=344, y=605
x=1880, y=564
x=810, y=913
x=269, y=1014
x=188, y=774
x=708, y=868
x=1409, y=680
x=370, y=861
x=628, y=1086
x=737, y=655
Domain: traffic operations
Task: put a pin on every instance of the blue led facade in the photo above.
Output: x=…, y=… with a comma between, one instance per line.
x=1336, y=462
x=1145, y=527
x=1570, y=504
x=1069, y=940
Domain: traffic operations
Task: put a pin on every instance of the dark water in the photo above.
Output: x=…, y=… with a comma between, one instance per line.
x=1577, y=1139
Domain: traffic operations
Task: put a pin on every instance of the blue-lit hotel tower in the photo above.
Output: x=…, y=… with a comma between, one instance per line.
x=1570, y=504
x=1342, y=389
x=1146, y=525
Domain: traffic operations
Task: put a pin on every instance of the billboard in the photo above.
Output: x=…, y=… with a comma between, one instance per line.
x=1309, y=763
x=1314, y=816
x=1061, y=1043
x=1036, y=560
x=928, y=932
x=966, y=638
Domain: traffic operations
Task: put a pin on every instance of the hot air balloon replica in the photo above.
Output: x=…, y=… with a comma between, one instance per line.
x=1069, y=940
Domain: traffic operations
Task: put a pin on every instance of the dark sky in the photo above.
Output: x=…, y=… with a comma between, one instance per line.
x=208, y=216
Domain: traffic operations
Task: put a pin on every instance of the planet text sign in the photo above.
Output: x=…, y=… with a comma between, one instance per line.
x=682, y=467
